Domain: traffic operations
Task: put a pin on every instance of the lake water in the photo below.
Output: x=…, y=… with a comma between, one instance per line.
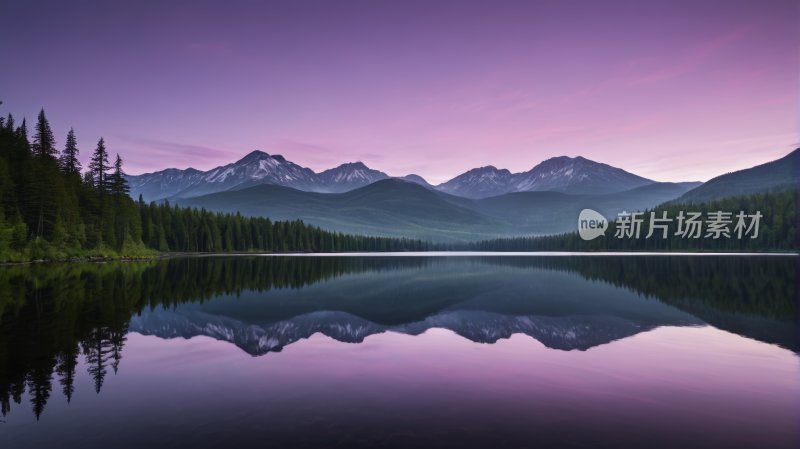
x=402, y=352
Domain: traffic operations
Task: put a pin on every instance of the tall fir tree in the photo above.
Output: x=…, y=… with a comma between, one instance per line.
x=47, y=193
x=22, y=130
x=40, y=384
x=67, y=363
x=99, y=166
x=44, y=143
x=68, y=161
x=97, y=349
x=118, y=185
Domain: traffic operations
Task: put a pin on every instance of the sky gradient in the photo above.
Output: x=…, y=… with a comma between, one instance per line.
x=672, y=91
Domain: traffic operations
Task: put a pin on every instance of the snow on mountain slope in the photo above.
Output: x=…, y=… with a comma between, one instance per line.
x=479, y=183
x=577, y=176
x=563, y=333
x=563, y=174
x=162, y=184
x=347, y=177
x=567, y=175
x=257, y=168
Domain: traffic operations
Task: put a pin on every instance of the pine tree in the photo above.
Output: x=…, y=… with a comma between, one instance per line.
x=68, y=161
x=67, y=362
x=22, y=131
x=118, y=185
x=40, y=384
x=46, y=193
x=97, y=349
x=44, y=143
x=117, y=342
x=99, y=166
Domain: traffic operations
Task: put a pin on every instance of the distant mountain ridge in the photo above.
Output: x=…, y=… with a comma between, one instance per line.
x=545, y=212
x=561, y=174
x=562, y=333
x=254, y=169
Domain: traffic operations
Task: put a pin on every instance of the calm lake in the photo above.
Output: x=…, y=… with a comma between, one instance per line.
x=295, y=351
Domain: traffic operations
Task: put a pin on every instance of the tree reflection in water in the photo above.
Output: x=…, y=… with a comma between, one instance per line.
x=50, y=314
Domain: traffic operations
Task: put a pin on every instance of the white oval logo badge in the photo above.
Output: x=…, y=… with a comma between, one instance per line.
x=591, y=224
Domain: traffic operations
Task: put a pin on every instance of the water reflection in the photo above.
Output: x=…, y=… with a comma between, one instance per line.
x=54, y=316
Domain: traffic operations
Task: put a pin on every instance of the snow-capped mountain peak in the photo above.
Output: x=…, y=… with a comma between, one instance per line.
x=255, y=168
x=479, y=183
x=565, y=174
x=349, y=176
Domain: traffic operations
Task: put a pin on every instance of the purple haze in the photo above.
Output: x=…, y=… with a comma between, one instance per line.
x=673, y=91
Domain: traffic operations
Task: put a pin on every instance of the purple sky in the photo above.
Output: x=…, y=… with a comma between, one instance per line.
x=673, y=91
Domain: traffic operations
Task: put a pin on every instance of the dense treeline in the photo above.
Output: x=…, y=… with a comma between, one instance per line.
x=776, y=230
x=49, y=209
x=55, y=318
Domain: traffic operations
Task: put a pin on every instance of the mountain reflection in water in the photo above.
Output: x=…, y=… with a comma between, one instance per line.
x=53, y=316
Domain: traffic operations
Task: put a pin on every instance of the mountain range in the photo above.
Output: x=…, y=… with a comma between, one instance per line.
x=563, y=174
x=561, y=333
x=482, y=203
x=565, y=303
x=477, y=300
